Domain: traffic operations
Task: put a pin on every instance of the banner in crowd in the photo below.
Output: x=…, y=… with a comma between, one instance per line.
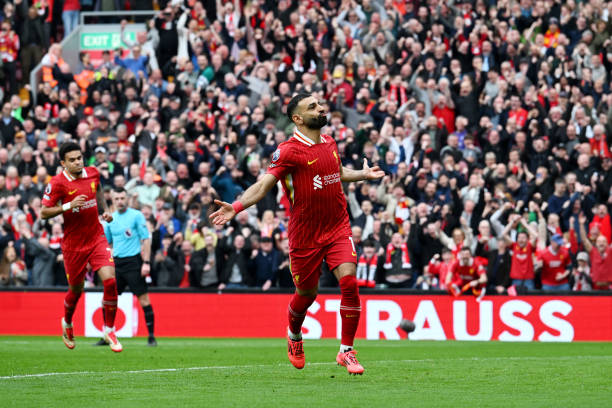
x=438, y=317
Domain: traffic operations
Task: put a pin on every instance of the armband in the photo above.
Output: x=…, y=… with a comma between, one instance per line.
x=237, y=205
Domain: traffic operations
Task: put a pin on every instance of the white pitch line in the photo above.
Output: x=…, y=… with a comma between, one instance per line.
x=234, y=367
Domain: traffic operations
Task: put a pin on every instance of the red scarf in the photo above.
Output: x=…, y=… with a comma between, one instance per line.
x=401, y=212
x=392, y=96
x=486, y=245
x=185, y=281
x=55, y=241
x=405, y=257
x=366, y=268
x=143, y=169
x=599, y=148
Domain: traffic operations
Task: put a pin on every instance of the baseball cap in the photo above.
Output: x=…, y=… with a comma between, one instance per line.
x=557, y=238
x=266, y=239
x=100, y=149
x=583, y=256
x=553, y=20
x=167, y=206
x=54, y=121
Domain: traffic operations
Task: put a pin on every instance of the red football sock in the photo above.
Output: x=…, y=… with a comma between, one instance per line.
x=70, y=303
x=109, y=301
x=350, y=308
x=297, y=311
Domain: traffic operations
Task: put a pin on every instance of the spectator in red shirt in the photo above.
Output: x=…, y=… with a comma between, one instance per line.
x=340, y=85
x=467, y=270
x=602, y=220
x=517, y=112
x=9, y=48
x=555, y=263
x=601, y=258
x=436, y=271
x=444, y=113
x=599, y=144
x=521, y=271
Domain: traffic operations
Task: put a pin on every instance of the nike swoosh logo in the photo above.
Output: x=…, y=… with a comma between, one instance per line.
x=310, y=162
x=72, y=192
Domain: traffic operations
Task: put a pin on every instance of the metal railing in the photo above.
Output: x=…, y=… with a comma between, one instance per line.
x=72, y=43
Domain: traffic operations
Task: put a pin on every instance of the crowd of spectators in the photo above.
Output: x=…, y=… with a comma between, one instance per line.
x=490, y=119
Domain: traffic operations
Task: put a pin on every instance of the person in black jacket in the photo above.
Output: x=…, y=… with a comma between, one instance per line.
x=165, y=23
x=235, y=272
x=166, y=271
x=265, y=264
x=8, y=125
x=206, y=264
x=31, y=37
x=498, y=269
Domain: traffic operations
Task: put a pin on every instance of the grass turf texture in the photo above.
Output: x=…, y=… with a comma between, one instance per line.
x=256, y=372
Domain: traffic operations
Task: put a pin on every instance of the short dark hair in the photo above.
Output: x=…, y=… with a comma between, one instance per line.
x=119, y=190
x=293, y=103
x=68, y=147
x=369, y=243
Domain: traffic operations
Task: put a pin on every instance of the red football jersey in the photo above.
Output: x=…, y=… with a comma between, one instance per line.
x=522, y=262
x=81, y=225
x=467, y=273
x=440, y=269
x=310, y=175
x=552, y=264
x=601, y=265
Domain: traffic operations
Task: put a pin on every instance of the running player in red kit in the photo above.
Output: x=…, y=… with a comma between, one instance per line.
x=310, y=170
x=75, y=193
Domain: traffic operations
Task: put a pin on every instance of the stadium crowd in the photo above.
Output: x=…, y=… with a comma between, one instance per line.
x=490, y=119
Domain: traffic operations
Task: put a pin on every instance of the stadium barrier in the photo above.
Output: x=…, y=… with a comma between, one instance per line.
x=437, y=317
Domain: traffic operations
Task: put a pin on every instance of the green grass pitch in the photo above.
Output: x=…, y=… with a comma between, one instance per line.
x=186, y=372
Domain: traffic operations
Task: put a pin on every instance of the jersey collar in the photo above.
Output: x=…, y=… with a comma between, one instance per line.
x=470, y=263
x=303, y=138
x=70, y=177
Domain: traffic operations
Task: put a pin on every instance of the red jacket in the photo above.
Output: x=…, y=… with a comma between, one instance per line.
x=604, y=226
x=9, y=46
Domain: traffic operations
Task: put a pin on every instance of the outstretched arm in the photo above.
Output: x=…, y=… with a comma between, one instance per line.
x=533, y=233
x=251, y=196
x=583, y=234
x=367, y=173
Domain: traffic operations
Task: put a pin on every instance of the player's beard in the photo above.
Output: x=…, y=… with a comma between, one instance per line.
x=316, y=123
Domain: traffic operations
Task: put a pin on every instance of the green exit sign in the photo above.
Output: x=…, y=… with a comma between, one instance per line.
x=104, y=41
